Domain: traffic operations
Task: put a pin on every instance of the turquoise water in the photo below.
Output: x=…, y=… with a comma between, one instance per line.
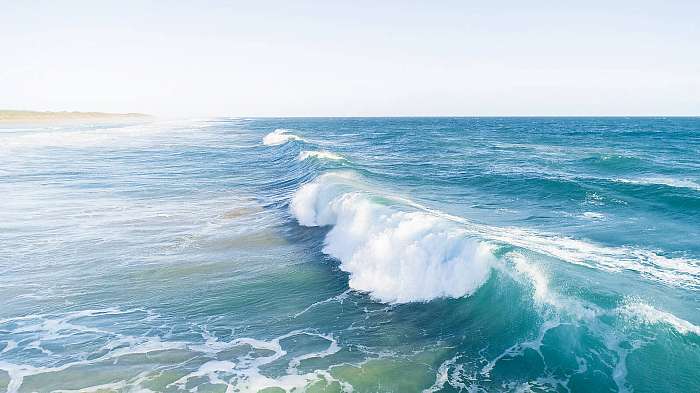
x=365, y=255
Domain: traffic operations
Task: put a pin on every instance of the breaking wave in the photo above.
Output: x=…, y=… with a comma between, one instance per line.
x=649, y=315
x=279, y=137
x=663, y=181
x=400, y=251
x=396, y=256
x=322, y=155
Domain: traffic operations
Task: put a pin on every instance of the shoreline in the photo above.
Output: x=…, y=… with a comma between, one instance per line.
x=36, y=117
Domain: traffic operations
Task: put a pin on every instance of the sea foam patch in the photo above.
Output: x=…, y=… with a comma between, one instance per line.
x=243, y=372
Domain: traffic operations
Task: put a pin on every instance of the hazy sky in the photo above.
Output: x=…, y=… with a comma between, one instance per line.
x=364, y=58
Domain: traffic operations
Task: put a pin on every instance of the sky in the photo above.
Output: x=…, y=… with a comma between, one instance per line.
x=352, y=58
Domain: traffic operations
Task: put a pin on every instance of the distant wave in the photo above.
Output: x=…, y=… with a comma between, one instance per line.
x=279, y=137
x=393, y=255
x=663, y=181
x=615, y=162
x=327, y=155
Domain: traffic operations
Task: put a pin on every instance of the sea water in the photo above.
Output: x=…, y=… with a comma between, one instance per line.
x=350, y=254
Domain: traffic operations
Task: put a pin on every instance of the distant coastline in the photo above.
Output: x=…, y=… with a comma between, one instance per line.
x=21, y=116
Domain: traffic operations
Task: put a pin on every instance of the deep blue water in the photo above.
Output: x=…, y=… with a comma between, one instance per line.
x=351, y=254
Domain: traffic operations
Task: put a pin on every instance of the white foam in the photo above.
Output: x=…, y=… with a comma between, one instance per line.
x=210, y=370
x=107, y=387
x=321, y=155
x=593, y=215
x=278, y=137
x=246, y=373
x=442, y=376
x=518, y=349
x=682, y=272
x=339, y=298
x=673, y=271
x=679, y=271
x=17, y=374
x=544, y=295
x=151, y=344
x=242, y=374
x=647, y=314
x=333, y=348
x=11, y=344
x=395, y=256
x=663, y=181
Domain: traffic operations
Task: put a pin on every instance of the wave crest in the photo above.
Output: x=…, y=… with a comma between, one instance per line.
x=662, y=181
x=395, y=256
x=647, y=314
x=322, y=155
x=279, y=136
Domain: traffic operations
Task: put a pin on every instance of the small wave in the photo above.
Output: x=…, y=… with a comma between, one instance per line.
x=279, y=137
x=642, y=312
x=395, y=256
x=321, y=155
x=615, y=162
x=663, y=181
x=544, y=295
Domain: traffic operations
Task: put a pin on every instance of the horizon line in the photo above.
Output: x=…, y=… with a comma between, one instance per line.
x=427, y=116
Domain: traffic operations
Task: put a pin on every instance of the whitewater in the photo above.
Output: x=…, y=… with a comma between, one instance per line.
x=351, y=254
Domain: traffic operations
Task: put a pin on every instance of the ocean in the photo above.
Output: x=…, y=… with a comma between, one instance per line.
x=351, y=254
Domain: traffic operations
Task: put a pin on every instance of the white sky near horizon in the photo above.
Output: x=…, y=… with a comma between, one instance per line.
x=359, y=58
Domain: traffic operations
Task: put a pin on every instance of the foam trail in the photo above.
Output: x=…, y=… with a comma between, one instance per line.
x=395, y=256
x=11, y=344
x=544, y=295
x=321, y=155
x=678, y=271
x=209, y=370
x=663, y=181
x=242, y=374
x=279, y=137
x=442, y=377
x=339, y=298
x=647, y=314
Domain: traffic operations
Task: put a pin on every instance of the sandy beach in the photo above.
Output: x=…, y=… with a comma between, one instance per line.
x=19, y=116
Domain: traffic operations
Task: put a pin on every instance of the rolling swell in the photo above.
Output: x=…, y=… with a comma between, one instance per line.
x=442, y=255
x=401, y=251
